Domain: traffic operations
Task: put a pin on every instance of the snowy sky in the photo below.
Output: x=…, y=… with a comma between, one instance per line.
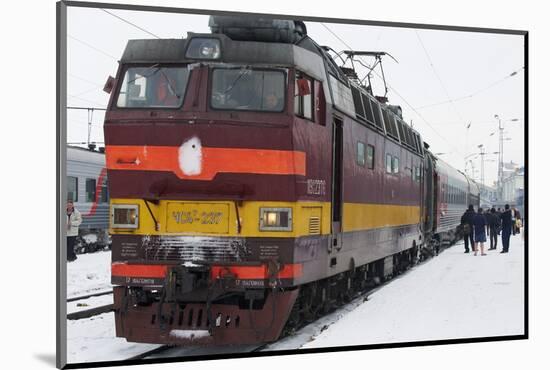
x=433, y=67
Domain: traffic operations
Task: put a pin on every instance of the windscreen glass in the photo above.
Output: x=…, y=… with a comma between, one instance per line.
x=248, y=89
x=153, y=87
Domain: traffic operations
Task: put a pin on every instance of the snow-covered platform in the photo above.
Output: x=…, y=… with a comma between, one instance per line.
x=454, y=295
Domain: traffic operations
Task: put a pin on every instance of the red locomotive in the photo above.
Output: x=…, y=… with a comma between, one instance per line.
x=254, y=185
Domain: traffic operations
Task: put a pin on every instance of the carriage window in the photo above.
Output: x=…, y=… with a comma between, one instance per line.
x=361, y=154
x=104, y=193
x=90, y=190
x=370, y=156
x=153, y=87
x=72, y=188
x=303, y=104
x=388, y=163
x=248, y=89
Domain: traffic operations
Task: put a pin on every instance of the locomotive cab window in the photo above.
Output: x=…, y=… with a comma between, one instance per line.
x=153, y=87
x=248, y=89
x=303, y=96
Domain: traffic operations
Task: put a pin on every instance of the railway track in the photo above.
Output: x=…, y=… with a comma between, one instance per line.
x=85, y=314
x=94, y=311
x=149, y=353
x=184, y=352
x=79, y=298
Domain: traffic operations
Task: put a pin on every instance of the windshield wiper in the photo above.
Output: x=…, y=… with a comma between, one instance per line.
x=242, y=72
x=146, y=76
x=170, y=87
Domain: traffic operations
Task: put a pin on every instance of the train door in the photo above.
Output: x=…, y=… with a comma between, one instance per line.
x=429, y=193
x=337, y=168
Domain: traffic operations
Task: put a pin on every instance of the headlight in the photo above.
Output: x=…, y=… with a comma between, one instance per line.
x=125, y=216
x=276, y=219
x=203, y=48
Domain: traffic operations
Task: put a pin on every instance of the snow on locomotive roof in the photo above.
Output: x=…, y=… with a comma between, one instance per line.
x=79, y=154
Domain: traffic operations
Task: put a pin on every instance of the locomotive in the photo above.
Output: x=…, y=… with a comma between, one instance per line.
x=254, y=185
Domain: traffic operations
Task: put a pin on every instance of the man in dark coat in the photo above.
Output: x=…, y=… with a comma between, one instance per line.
x=467, y=222
x=498, y=213
x=506, y=222
x=494, y=224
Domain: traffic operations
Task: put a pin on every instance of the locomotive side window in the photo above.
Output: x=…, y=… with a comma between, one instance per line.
x=90, y=190
x=370, y=156
x=395, y=165
x=417, y=174
x=248, y=90
x=368, y=109
x=377, y=116
x=361, y=154
x=357, y=102
x=72, y=188
x=153, y=87
x=303, y=96
x=388, y=163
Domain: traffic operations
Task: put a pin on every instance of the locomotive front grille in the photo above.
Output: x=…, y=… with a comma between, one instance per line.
x=194, y=248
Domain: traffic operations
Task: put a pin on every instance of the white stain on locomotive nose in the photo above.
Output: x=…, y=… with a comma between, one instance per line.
x=190, y=157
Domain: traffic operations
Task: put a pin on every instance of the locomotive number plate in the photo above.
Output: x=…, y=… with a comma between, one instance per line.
x=197, y=217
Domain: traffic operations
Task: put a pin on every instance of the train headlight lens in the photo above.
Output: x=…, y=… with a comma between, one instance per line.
x=203, y=48
x=276, y=219
x=125, y=216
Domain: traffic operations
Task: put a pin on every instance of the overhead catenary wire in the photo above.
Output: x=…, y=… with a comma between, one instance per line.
x=399, y=95
x=130, y=23
x=92, y=47
x=87, y=108
x=438, y=77
x=83, y=99
x=474, y=93
x=86, y=80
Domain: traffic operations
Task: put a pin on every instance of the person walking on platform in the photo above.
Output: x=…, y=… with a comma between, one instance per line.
x=479, y=231
x=506, y=222
x=467, y=222
x=74, y=219
x=498, y=213
x=494, y=224
x=487, y=215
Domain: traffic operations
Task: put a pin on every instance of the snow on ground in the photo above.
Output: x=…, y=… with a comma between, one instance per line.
x=93, y=339
x=90, y=273
x=454, y=295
